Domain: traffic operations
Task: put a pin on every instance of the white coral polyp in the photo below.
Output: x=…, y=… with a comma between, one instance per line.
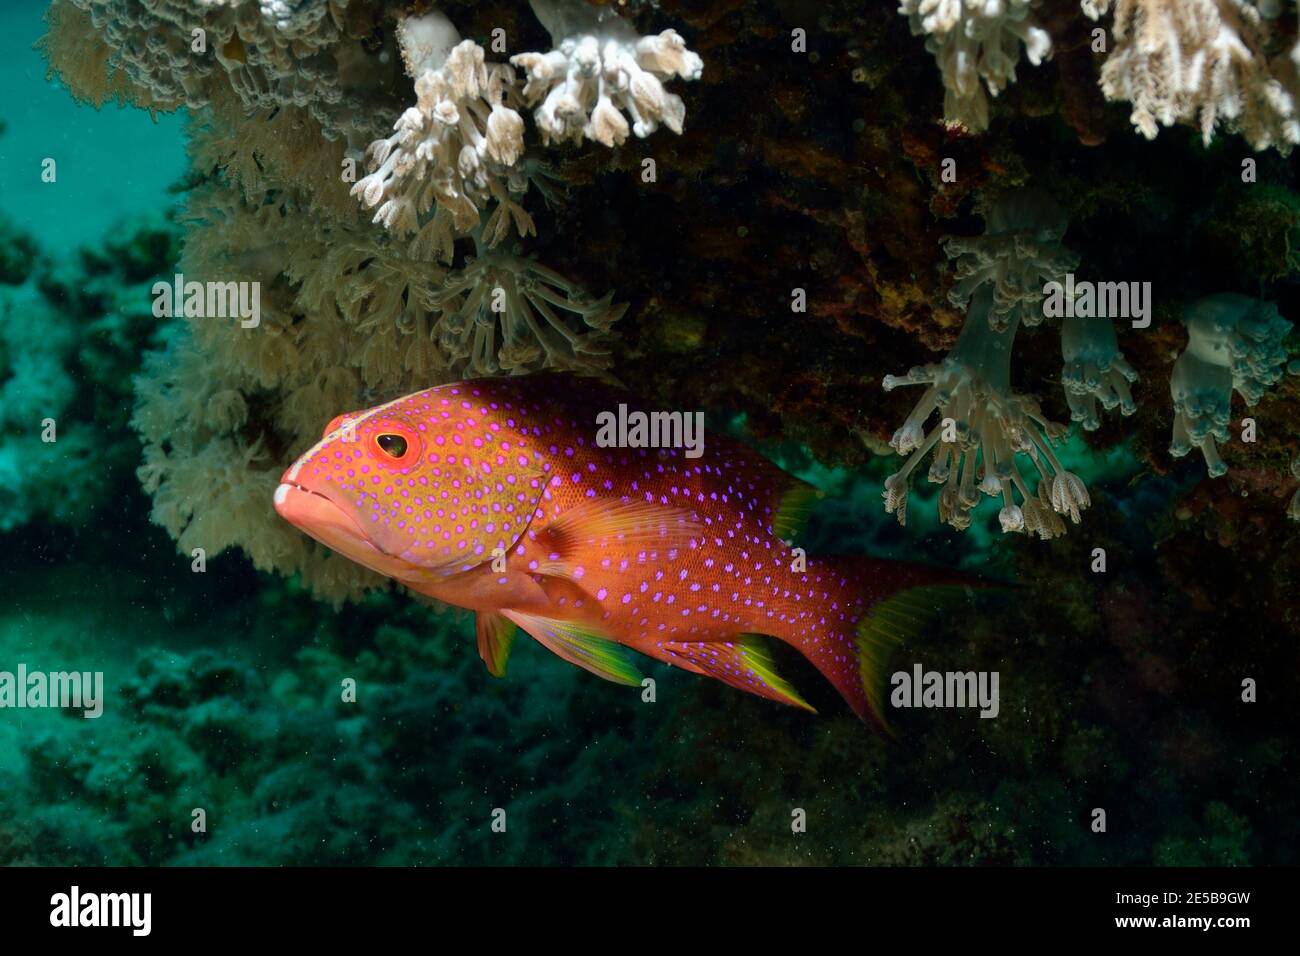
x=456, y=145
x=974, y=41
x=1021, y=250
x=984, y=428
x=600, y=70
x=1233, y=343
x=1094, y=370
x=508, y=314
x=1202, y=62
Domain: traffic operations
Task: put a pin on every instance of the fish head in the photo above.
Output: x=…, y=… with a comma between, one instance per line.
x=428, y=486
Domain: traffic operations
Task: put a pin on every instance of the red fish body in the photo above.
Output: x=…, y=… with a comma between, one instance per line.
x=494, y=495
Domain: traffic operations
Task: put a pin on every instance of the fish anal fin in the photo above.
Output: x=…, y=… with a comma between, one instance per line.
x=580, y=645
x=744, y=663
x=496, y=635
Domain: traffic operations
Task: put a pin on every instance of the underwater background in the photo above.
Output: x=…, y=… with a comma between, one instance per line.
x=820, y=170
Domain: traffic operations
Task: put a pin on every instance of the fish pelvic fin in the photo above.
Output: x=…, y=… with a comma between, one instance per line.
x=744, y=663
x=496, y=636
x=580, y=645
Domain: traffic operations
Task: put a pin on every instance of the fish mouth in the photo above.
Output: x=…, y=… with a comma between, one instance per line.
x=323, y=519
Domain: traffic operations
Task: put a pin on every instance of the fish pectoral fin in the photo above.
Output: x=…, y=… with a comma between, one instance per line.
x=605, y=523
x=744, y=663
x=580, y=645
x=496, y=635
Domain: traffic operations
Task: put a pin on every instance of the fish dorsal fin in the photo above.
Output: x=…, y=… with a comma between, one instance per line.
x=496, y=635
x=782, y=501
x=795, y=504
x=744, y=663
x=580, y=645
x=602, y=524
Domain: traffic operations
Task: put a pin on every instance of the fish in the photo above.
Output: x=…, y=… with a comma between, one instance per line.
x=498, y=496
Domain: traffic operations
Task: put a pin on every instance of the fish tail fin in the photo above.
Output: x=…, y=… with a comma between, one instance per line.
x=879, y=606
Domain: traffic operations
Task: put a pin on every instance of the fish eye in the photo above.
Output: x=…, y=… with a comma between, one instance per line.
x=392, y=445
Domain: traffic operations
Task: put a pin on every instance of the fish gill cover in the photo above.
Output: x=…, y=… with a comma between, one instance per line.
x=253, y=249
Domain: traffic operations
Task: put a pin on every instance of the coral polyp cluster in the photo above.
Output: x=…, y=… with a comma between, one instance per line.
x=983, y=429
x=165, y=54
x=456, y=145
x=1094, y=372
x=1207, y=63
x=1234, y=343
x=1019, y=252
x=522, y=305
x=599, y=70
x=460, y=144
x=1217, y=65
x=977, y=44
